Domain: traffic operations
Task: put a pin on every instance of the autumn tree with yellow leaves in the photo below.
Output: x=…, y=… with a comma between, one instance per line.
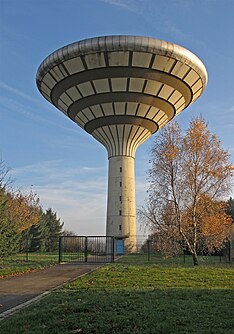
x=190, y=176
x=18, y=211
x=23, y=224
x=23, y=210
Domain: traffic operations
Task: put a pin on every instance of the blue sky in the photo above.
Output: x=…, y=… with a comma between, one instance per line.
x=64, y=165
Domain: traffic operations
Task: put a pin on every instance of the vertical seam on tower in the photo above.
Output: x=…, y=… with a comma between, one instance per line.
x=102, y=109
x=117, y=133
x=130, y=145
x=128, y=141
x=148, y=111
x=123, y=139
x=152, y=60
x=114, y=147
x=84, y=62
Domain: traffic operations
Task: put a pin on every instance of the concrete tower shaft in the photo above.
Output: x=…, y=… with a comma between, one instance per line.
x=121, y=90
x=121, y=208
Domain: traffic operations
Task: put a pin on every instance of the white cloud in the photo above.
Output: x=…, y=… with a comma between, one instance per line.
x=126, y=4
x=17, y=92
x=28, y=111
x=230, y=110
x=12, y=105
x=82, y=206
x=149, y=12
x=15, y=106
x=173, y=30
x=55, y=172
x=78, y=194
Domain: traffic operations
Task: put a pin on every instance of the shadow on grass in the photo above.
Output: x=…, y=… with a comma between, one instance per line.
x=145, y=311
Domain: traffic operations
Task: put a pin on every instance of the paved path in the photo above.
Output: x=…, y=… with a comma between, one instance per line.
x=15, y=291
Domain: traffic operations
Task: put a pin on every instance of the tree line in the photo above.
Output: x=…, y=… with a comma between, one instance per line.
x=24, y=226
x=190, y=180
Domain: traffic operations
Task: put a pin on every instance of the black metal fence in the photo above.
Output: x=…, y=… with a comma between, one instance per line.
x=103, y=249
x=86, y=249
x=150, y=250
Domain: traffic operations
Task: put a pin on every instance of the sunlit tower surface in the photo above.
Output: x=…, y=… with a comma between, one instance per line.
x=121, y=90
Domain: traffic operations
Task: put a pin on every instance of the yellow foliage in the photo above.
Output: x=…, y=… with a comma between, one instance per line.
x=23, y=210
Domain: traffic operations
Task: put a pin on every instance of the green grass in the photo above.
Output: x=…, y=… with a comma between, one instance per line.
x=17, y=264
x=143, y=299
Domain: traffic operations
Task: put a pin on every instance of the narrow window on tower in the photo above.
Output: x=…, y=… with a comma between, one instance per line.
x=120, y=212
x=120, y=227
x=120, y=169
x=120, y=184
x=120, y=198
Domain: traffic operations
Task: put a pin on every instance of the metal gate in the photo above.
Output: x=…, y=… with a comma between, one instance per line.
x=88, y=249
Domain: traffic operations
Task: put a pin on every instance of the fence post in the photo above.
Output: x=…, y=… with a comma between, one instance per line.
x=229, y=251
x=60, y=250
x=148, y=249
x=113, y=249
x=86, y=249
x=27, y=246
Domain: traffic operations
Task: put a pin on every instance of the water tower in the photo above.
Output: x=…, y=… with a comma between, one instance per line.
x=121, y=90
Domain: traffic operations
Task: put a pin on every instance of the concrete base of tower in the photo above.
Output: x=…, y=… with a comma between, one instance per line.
x=121, y=207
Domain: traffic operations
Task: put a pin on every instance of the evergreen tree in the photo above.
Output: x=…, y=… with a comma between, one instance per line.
x=35, y=238
x=230, y=208
x=31, y=239
x=50, y=230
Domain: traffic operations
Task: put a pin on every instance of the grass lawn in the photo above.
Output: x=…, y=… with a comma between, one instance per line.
x=135, y=298
x=17, y=264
